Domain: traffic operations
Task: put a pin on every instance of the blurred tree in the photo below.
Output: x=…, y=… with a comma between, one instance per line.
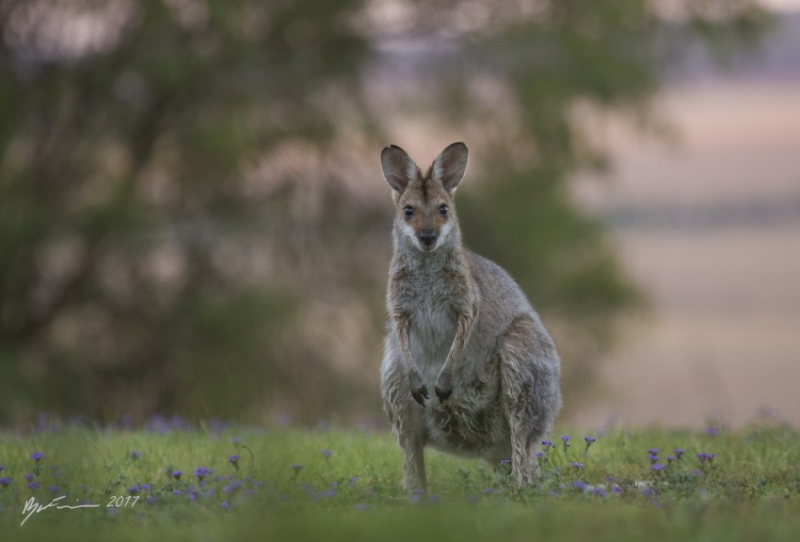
x=185, y=224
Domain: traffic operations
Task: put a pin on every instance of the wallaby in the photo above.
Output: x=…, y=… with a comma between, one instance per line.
x=460, y=326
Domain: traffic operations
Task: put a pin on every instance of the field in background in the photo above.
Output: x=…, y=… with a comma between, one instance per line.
x=290, y=484
x=710, y=228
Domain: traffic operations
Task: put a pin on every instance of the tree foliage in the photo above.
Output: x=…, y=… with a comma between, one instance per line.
x=191, y=214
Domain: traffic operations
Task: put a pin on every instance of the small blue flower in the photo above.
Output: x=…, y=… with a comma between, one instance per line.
x=547, y=444
x=233, y=487
x=653, y=459
x=29, y=477
x=225, y=505
x=326, y=493
x=133, y=490
x=679, y=452
x=4, y=482
x=234, y=460
x=33, y=486
x=37, y=456
x=539, y=455
x=135, y=454
x=177, y=492
x=589, y=441
x=658, y=467
x=327, y=454
x=577, y=466
x=202, y=472
x=579, y=485
x=598, y=491
x=177, y=474
x=653, y=451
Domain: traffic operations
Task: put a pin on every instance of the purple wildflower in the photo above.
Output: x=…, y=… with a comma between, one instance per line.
x=658, y=467
x=670, y=459
x=539, y=455
x=505, y=461
x=236, y=440
x=37, y=456
x=702, y=457
x=225, y=505
x=589, y=441
x=297, y=469
x=5, y=481
x=579, y=485
x=326, y=493
x=598, y=491
x=135, y=454
x=151, y=500
x=177, y=474
x=547, y=444
x=33, y=486
x=652, y=451
x=577, y=466
x=234, y=460
x=144, y=487
x=327, y=453
x=710, y=457
x=29, y=477
x=653, y=459
x=177, y=492
x=233, y=487
x=202, y=472
x=133, y=490
x=679, y=452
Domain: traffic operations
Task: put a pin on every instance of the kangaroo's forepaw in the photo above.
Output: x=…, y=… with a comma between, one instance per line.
x=420, y=394
x=443, y=391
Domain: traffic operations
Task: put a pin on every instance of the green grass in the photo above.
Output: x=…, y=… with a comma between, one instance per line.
x=751, y=490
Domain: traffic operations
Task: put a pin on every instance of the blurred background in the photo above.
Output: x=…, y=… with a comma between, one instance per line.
x=193, y=221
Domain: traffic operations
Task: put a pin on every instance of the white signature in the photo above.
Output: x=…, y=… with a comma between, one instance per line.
x=32, y=507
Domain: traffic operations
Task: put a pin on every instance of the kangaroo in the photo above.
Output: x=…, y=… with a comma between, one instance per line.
x=460, y=326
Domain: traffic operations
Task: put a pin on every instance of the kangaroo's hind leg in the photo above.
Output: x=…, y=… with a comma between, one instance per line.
x=405, y=416
x=531, y=394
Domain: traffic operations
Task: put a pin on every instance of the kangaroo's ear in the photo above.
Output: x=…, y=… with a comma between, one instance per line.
x=398, y=168
x=450, y=166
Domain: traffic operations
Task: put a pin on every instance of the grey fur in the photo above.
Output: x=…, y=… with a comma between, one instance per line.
x=472, y=336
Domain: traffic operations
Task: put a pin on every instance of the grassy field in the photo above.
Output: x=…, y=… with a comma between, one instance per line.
x=335, y=484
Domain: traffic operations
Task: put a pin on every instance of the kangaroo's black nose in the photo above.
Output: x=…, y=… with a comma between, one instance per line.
x=427, y=236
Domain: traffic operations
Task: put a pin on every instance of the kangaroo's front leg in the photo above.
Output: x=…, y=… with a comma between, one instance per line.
x=444, y=383
x=418, y=390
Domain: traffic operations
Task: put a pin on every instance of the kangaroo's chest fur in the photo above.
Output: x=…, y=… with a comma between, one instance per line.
x=434, y=291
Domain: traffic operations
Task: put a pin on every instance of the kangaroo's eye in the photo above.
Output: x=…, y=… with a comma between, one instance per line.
x=409, y=210
x=443, y=210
